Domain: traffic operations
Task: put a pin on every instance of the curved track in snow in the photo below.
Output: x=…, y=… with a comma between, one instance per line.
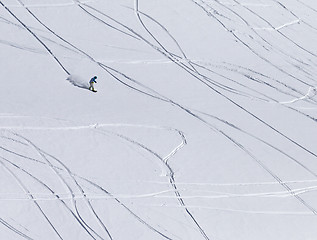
x=211, y=119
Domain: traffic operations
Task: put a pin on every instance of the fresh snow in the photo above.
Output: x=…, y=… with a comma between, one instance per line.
x=203, y=126
x=78, y=81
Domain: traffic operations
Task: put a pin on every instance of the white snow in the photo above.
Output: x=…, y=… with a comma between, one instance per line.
x=203, y=126
x=78, y=81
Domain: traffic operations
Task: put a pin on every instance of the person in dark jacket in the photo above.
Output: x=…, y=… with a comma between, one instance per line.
x=91, y=83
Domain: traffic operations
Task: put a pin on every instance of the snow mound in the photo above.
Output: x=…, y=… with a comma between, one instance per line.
x=312, y=92
x=78, y=81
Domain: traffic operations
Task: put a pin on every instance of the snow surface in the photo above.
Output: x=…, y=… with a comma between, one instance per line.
x=78, y=81
x=203, y=127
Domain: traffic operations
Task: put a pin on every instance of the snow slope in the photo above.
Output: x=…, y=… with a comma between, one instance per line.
x=203, y=127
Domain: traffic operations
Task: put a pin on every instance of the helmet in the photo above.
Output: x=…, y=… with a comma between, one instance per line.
x=95, y=77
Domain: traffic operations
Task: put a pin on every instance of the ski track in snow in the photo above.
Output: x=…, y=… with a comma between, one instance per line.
x=188, y=194
x=58, y=168
x=70, y=3
x=204, y=72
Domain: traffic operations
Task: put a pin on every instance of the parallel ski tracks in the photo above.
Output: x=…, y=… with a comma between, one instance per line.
x=244, y=109
x=192, y=69
x=36, y=37
x=236, y=143
x=13, y=229
x=251, y=49
x=63, y=181
x=53, y=194
x=28, y=193
x=75, y=212
x=172, y=181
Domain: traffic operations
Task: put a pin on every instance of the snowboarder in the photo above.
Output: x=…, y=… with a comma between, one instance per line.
x=91, y=84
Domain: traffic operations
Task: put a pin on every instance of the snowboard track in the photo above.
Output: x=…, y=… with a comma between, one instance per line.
x=62, y=168
x=194, y=70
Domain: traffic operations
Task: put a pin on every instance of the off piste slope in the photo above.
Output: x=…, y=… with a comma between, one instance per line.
x=203, y=126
